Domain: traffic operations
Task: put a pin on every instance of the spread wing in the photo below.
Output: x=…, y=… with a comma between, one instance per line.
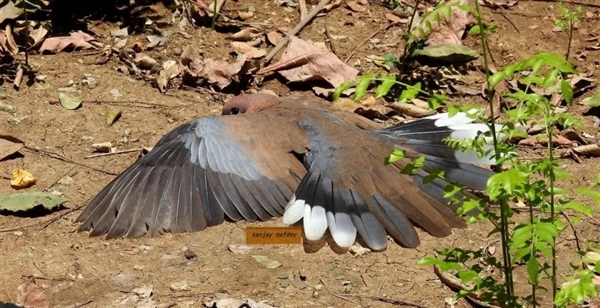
x=199, y=174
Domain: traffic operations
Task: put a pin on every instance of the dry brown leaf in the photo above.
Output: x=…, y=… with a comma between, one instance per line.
x=21, y=178
x=32, y=296
x=357, y=5
x=538, y=139
x=247, y=34
x=77, y=40
x=9, y=145
x=448, y=31
x=346, y=104
x=155, y=41
x=245, y=15
x=220, y=73
x=249, y=51
x=411, y=110
x=170, y=70
x=7, y=42
x=274, y=37
x=37, y=32
x=395, y=19
x=498, y=4
x=590, y=150
x=144, y=61
x=303, y=61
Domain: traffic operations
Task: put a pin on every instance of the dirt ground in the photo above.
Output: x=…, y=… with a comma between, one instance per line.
x=79, y=271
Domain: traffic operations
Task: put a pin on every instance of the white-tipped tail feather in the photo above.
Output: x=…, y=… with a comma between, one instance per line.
x=317, y=221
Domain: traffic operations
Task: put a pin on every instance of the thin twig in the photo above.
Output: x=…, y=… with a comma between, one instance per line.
x=295, y=31
x=133, y=103
x=114, y=153
x=66, y=160
x=58, y=179
x=336, y=295
x=329, y=39
x=575, y=234
x=302, y=8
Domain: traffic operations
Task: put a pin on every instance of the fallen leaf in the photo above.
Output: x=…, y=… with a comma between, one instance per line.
x=9, y=11
x=21, y=178
x=357, y=5
x=32, y=296
x=448, y=30
x=411, y=110
x=77, y=40
x=112, y=116
x=590, y=150
x=144, y=61
x=245, y=15
x=30, y=199
x=9, y=145
x=246, y=34
x=7, y=41
x=274, y=37
x=239, y=249
x=36, y=32
x=155, y=41
x=498, y=4
x=303, y=61
x=220, y=73
x=169, y=71
x=543, y=140
x=395, y=19
x=268, y=263
x=249, y=51
x=69, y=102
x=449, y=53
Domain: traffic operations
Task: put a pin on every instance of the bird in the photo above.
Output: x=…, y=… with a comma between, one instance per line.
x=298, y=157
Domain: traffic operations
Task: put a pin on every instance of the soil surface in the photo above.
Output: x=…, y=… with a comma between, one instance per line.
x=187, y=270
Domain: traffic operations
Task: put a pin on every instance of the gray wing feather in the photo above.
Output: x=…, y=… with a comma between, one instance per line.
x=196, y=176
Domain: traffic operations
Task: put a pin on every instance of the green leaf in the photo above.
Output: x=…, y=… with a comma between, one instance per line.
x=28, y=200
x=112, y=116
x=533, y=270
x=476, y=30
x=410, y=92
x=362, y=86
x=343, y=87
x=567, y=91
x=69, y=102
x=268, y=263
x=395, y=156
x=385, y=86
x=449, y=53
x=594, y=101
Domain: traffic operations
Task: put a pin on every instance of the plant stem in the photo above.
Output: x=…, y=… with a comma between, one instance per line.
x=571, y=26
x=504, y=210
x=214, y=17
x=407, y=39
x=550, y=132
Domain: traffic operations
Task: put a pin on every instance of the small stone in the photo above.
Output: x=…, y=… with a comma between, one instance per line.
x=358, y=250
x=189, y=254
x=88, y=81
x=318, y=287
x=536, y=129
x=143, y=292
x=115, y=93
x=180, y=286
x=65, y=180
x=18, y=233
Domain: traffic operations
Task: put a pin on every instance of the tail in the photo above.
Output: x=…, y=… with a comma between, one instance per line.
x=427, y=135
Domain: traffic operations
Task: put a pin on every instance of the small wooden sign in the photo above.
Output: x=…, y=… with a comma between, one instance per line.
x=274, y=235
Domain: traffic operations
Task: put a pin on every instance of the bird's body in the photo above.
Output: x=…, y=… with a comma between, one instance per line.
x=328, y=164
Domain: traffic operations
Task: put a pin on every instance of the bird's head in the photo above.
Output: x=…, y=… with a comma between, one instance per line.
x=249, y=103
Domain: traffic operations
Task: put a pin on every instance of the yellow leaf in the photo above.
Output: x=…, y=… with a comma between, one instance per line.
x=22, y=178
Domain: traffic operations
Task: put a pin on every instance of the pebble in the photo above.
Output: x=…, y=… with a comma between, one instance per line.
x=180, y=286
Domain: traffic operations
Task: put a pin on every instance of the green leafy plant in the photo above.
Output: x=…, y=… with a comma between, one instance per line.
x=526, y=241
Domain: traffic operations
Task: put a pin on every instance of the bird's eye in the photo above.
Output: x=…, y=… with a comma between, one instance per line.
x=234, y=110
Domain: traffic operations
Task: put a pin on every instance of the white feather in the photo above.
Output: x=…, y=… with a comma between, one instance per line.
x=315, y=222
x=294, y=211
x=342, y=229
